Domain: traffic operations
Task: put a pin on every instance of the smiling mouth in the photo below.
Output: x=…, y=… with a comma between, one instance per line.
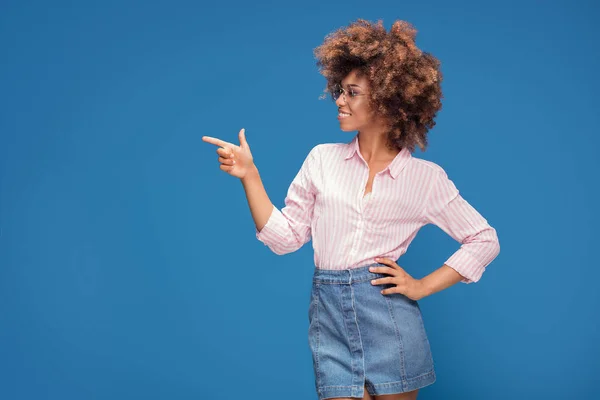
x=343, y=115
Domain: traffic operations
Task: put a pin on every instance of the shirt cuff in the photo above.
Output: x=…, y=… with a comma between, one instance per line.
x=465, y=264
x=274, y=230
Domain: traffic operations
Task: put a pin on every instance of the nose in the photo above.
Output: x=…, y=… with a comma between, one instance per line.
x=341, y=100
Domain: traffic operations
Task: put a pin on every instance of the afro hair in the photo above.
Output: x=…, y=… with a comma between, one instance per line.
x=405, y=82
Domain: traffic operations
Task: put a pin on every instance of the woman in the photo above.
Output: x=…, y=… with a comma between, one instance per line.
x=362, y=203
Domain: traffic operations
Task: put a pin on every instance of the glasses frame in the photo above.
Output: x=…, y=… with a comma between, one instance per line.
x=342, y=92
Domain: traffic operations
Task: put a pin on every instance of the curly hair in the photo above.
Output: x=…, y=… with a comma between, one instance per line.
x=405, y=81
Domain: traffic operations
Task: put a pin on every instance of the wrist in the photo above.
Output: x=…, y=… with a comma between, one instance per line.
x=251, y=174
x=423, y=288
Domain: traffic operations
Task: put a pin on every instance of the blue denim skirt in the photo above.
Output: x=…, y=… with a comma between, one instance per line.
x=361, y=338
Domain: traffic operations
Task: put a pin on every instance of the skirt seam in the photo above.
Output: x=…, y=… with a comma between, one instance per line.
x=318, y=328
x=347, y=332
x=399, y=339
x=362, y=350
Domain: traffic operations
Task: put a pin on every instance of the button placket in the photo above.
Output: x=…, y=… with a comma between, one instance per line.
x=360, y=229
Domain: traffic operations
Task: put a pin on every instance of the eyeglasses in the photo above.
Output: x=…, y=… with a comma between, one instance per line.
x=338, y=91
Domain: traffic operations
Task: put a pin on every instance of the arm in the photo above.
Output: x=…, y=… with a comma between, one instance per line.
x=440, y=279
x=258, y=200
x=447, y=209
x=286, y=230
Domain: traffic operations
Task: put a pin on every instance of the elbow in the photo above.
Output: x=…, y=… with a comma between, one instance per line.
x=495, y=244
x=284, y=240
x=488, y=239
x=285, y=248
x=490, y=249
x=485, y=246
x=293, y=242
x=281, y=252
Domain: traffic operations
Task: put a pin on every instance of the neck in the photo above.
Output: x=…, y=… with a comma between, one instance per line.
x=373, y=145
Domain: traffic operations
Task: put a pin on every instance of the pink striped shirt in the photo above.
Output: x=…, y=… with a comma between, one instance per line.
x=325, y=202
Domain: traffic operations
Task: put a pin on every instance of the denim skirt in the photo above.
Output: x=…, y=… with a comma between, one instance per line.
x=361, y=338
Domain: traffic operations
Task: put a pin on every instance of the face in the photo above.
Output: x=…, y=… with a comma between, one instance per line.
x=354, y=112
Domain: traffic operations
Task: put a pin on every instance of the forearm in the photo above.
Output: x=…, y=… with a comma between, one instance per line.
x=440, y=279
x=258, y=200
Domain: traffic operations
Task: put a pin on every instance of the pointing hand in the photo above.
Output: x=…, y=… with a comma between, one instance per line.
x=235, y=160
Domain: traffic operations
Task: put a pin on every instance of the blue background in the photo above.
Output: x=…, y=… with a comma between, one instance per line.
x=128, y=262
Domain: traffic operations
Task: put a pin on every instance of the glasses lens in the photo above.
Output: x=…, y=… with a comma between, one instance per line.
x=335, y=94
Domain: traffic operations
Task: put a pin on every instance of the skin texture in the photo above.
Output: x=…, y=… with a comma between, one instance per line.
x=363, y=118
x=371, y=127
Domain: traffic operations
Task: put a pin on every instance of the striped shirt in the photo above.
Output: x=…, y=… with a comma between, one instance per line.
x=325, y=203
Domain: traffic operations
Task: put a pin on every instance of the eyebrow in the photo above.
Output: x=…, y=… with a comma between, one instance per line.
x=352, y=84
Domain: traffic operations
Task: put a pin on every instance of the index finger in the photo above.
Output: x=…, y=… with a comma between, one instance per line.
x=382, y=270
x=216, y=141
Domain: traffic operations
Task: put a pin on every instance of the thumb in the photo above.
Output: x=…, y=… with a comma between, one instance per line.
x=242, y=136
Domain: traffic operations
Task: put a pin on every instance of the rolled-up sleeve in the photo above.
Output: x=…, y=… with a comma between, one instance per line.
x=446, y=208
x=289, y=229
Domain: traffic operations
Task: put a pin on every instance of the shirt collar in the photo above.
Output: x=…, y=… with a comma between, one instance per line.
x=394, y=168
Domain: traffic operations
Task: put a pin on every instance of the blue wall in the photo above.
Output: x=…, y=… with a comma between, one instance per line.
x=128, y=262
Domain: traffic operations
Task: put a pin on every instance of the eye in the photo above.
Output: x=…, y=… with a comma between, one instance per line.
x=352, y=93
